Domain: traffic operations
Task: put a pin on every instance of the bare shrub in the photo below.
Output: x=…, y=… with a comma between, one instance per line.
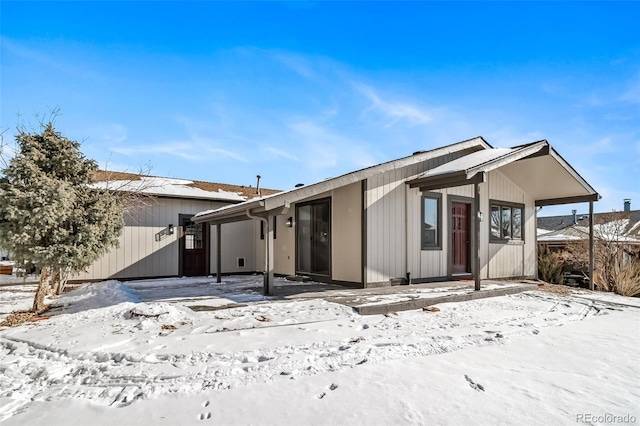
x=550, y=266
x=624, y=280
x=616, y=256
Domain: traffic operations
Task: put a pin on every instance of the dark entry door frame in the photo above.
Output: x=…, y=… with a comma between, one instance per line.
x=193, y=247
x=313, y=238
x=461, y=265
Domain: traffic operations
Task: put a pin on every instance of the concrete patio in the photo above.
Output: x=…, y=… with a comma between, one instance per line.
x=204, y=294
x=381, y=300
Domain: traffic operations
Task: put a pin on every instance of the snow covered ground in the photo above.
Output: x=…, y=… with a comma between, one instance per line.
x=135, y=353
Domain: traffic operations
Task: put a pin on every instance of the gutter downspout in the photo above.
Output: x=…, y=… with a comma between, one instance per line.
x=591, y=261
x=266, y=289
x=476, y=236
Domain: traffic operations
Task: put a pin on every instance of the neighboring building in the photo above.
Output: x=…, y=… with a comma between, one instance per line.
x=620, y=226
x=159, y=239
x=462, y=211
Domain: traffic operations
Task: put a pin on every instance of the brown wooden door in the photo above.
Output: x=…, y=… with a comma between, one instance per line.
x=193, y=246
x=460, y=238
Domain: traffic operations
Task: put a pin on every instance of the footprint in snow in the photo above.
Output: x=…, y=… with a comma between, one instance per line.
x=207, y=415
x=331, y=388
x=474, y=385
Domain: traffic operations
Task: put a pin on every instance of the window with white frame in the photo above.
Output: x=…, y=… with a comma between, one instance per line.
x=431, y=221
x=505, y=221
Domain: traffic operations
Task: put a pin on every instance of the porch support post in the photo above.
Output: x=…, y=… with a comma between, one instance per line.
x=218, y=253
x=476, y=237
x=269, y=260
x=591, y=283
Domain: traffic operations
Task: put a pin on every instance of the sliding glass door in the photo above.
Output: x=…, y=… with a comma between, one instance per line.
x=313, y=237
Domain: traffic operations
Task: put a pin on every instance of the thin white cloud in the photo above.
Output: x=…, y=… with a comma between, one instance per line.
x=47, y=58
x=319, y=144
x=179, y=149
x=228, y=154
x=396, y=111
x=325, y=148
x=632, y=95
x=113, y=133
x=296, y=63
x=281, y=153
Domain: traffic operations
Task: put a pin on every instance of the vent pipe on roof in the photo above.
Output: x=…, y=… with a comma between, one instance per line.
x=258, y=185
x=575, y=217
x=627, y=204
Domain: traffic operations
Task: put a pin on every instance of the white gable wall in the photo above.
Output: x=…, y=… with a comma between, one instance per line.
x=508, y=260
x=391, y=252
x=393, y=231
x=140, y=255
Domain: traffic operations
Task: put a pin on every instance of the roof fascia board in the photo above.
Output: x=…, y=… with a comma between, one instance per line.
x=568, y=200
x=189, y=197
x=454, y=181
x=438, y=179
x=281, y=199
x=227, y=211
x=220, y=221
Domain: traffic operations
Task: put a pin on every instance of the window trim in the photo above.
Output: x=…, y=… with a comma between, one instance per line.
x=511, y=205
x=438, y=197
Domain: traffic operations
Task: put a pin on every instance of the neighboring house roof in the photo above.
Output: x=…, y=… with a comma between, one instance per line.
x=283, y=199
x=176, y=188
x=623, y=227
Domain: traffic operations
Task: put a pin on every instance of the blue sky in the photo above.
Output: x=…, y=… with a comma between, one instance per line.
x=302, y=91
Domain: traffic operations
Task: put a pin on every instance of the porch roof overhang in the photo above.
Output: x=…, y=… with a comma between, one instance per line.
x=535, y=167
x=279, y=203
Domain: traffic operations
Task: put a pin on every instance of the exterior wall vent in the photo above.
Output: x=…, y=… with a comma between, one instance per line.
x=241, y=262
x=627, y=204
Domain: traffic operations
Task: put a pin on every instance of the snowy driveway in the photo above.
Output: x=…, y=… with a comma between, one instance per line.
x=108, y=352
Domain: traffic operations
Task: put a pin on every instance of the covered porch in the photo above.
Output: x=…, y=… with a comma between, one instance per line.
x=535, y=168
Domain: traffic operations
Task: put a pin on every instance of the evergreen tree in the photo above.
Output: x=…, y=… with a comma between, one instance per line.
x=49, y=215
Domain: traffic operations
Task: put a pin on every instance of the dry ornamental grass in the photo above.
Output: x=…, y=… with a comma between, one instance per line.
x=17, y=318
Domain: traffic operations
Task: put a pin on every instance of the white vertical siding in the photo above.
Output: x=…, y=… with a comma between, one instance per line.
x=237, y=241
x=393, y=220
x=346, y=229
x=430, y=263
x=496, y=260
x=515, y=258
x=413, y=231
x=284, y=245
x=140, y=255
x=386, y=227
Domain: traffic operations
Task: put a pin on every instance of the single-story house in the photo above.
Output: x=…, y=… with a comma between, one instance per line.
x=159, y=238
x=462, y=211
x=618, y=226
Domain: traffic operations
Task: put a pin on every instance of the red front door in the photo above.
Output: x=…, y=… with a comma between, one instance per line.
x=460, y=241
